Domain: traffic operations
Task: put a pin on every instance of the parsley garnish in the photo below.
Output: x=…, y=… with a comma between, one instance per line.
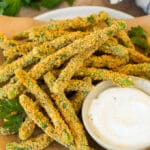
x=137, y=31
x=109, y=21
x=12, y=115
x=90, y=19
x=139, y=37
x=10, y=7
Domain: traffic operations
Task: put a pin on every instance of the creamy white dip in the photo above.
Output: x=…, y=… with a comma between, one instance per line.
x=121, y=118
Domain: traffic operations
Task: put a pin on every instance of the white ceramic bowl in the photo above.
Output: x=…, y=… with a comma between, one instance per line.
x=141, y=84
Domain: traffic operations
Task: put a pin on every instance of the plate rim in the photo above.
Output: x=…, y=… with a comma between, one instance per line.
x=59, y=10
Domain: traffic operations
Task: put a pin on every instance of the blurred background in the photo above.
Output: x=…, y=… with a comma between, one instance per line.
x=31, y=8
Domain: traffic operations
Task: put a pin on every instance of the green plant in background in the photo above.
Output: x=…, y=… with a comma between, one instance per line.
x=12, y=7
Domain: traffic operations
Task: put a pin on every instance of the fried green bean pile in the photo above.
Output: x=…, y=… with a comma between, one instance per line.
x=50, y=69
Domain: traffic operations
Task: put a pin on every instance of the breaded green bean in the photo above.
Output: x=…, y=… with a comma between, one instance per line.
x=78, y=98
x=3, y=89
x=116, y=78
x=83, y=87
x=60, y=56
x=46, y=35
x=21, y=36
x=58, y=43
x=65, y=107
x=116, y=50
x=63, y=103
x=107, y=61
x=33, y=56
x=54, y=44
x=78, y=85
x=14, y=90
x=125, y=39
x=44, y=123
x=37, y=143
x=19, y=50
x=42, y=51
x=77, y=60
x=124, y=53
x=49, y=79
x=137, y=57
x=8, y=71
x=71, y=67
x=73, y=85
x=47, y=104
x=75, y=23
x=6, y=43
x=67, y=73
x=69, y=115
x=26, y=129
x=142, y=69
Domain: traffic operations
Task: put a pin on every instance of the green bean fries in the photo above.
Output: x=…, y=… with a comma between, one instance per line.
x=50, y=69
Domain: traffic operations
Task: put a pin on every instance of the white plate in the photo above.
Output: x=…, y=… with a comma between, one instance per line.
x=71, y=12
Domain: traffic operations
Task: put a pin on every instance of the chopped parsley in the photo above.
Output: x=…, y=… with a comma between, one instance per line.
x=12, y=115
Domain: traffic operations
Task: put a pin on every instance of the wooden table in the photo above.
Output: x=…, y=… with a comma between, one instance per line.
x=127, y=6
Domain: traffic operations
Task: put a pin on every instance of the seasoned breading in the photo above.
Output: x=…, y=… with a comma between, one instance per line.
x=47, y=104
x=6, y=43
x=142, y=69
x=72, y=24
x=33, y=56
x=104, y=61
x=38, y=143
x=60, y=56
x=116, y=78
x=26, y=129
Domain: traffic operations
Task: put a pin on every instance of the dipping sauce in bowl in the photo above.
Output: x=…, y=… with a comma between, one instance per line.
x=118, y=118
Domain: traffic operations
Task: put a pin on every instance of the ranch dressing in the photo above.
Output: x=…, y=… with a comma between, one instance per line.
x=121, y=118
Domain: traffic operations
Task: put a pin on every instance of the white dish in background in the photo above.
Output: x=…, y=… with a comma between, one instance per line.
x=71, y=12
